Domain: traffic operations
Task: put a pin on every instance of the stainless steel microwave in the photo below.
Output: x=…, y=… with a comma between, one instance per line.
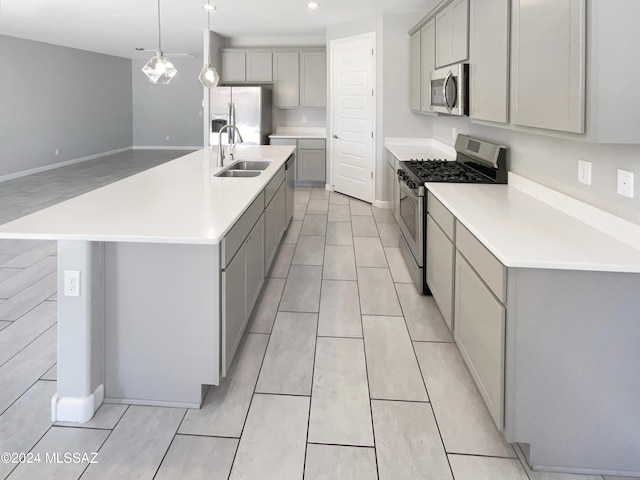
x=450, y=89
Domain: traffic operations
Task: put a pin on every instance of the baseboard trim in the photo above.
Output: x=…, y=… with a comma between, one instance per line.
x=382, y=204
x=53, y=166
x=164, y=147
x=76, y=409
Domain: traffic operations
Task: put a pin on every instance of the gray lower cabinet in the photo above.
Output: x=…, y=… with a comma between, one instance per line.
x=440, y=255
x=242, y=280
x=234, y=309
x=310, y=164
x=480, y=316
x=275, y=214
x=312, y=161
x=290, y=178
x=254, y=255
x=480, y=335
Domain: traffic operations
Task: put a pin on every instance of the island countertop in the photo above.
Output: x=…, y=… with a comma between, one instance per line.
x=178, y=202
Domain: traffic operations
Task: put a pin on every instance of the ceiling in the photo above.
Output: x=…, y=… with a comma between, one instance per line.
x=116, y=27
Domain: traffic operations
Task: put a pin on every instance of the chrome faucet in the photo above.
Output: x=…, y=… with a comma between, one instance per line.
x=220, y=148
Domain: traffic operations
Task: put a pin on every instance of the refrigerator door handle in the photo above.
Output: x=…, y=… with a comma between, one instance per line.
x=233, y=122
x=229, y=121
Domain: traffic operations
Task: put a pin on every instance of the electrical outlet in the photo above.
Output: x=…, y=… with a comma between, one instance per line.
x=56, y=152
x=454, y=133
x=625, y=183
x=304, y=119
x=71, y=283
x=584, y=172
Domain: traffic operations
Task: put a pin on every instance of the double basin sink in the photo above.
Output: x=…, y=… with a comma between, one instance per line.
x=244, y=168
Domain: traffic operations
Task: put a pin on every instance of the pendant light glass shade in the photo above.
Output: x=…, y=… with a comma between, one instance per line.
x=209, y=76
x=159, y=69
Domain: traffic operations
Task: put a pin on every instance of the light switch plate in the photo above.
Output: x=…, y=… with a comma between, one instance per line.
x=625, y=183
x=584, y=172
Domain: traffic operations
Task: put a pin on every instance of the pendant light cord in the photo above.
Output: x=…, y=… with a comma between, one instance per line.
x=159, y=30
x=209, y=33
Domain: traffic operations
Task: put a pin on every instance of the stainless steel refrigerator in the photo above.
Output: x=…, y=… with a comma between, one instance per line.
x=248, y=108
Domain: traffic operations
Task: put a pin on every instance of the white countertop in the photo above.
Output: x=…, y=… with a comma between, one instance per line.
x=524, y=231
x=299, y=132
x=419, y=148
x=177, y=202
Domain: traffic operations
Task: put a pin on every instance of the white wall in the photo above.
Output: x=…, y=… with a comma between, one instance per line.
x=60, y=98
x=173, y=110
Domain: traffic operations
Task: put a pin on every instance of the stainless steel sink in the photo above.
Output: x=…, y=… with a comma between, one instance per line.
x=251, y=165
x=232, y=172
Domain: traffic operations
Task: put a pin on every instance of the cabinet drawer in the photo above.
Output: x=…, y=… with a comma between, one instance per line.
x=310, y=143
x=488, y=267
x=441, y=215
x=273, y=185
x=283, y=141
x=233, y=240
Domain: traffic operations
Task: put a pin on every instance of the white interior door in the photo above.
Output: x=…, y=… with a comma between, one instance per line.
x=352, y=116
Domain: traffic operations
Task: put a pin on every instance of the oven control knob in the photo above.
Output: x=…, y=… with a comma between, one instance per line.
x=411, y=184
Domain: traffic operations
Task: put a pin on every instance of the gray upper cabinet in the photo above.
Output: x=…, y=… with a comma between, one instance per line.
x=427, y=62
x=247, y=67
x=415, y=72
x=286, y=66
x=234, y=67
x=313, y=79
x=259, y=67
x=452, y=33
x=548, y=64
x=489, y=60
x=300, y=79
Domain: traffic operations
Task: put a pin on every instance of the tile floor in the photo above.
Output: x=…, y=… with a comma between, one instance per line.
x=345, y=372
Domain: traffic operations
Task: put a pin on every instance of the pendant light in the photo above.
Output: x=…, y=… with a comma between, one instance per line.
x=159, y=69
x=209, y=75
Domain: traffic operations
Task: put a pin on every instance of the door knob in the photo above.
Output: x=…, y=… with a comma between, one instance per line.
x=336, y=136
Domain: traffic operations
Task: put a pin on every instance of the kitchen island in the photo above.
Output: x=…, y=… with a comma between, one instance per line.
x=157, y=276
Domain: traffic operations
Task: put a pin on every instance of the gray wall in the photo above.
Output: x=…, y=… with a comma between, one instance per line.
x=173, y=110
x=554, y=162
x=82, y=106
x=398, y=119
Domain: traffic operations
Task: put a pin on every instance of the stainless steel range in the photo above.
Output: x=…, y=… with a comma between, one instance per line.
x=477, y=161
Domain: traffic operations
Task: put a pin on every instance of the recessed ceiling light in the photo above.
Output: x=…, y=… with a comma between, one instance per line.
x=209, y=7
x=313, y=5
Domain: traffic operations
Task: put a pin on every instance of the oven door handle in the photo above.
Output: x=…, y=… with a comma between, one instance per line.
x=408, y=191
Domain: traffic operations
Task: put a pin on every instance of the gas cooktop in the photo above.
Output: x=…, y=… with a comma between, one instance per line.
x=444, y=171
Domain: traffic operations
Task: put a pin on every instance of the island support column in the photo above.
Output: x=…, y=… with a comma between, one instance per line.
x=81, y=333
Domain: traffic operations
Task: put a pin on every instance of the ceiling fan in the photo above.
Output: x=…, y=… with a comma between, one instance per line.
x=159, y=68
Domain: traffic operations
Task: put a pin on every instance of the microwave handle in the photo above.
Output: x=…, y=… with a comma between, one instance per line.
x=444, y=92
